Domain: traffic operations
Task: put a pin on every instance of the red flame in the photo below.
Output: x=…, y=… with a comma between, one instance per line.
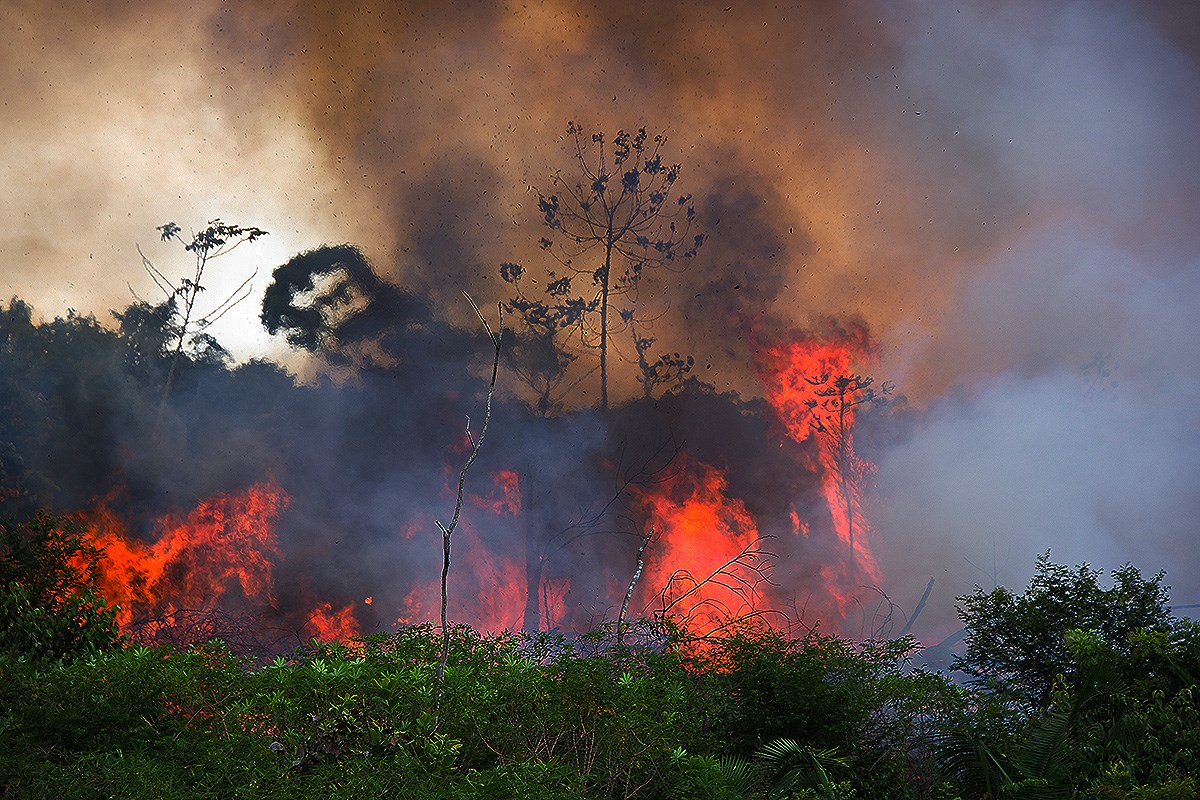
x=228, y=540
x=485, y=588
x=801, y=381
x=505, y=498
x=700, y=566
x=332, y=626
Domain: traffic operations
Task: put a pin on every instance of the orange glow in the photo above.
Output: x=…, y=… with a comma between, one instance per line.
x=228, y=540
x=693, y=571
x=798, y=378
x=484, y=588
x=328, y=625
x=496, y=599
x=505, y=498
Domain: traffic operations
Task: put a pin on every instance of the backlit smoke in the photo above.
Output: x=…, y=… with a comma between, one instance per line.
x=1003, y=193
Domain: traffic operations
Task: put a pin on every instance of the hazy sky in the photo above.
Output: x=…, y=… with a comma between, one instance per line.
x=1003, y=190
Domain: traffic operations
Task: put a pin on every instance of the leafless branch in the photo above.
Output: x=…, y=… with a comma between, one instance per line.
x=740, y=577
x=637, y=574
x=476, y=443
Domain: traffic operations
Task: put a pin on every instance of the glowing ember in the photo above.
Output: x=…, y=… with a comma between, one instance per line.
x=228, y=540
x=700, y=568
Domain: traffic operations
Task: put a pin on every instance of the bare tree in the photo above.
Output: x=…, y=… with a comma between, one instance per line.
x=637, y=574
x=476, y=443
x=616, y=216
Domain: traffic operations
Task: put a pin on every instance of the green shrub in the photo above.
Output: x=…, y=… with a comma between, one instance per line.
x=50, y=605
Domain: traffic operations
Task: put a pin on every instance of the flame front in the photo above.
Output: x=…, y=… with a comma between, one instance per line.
x=702, y=565
x=228, y=540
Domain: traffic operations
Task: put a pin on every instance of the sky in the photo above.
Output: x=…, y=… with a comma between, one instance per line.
x=1007, y=193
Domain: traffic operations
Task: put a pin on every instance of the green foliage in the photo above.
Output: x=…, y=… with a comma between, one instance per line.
x=1018, y=643
x=826, y=694
x=753, y=716
x=521, y=716
x=1097, y=684
x=50, y=605
x=790, y=765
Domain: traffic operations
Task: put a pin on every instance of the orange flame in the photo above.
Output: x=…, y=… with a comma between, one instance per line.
x=484, y=588
x=227, y=540
x=700, y=567
x=328, y=625
x=799, y=379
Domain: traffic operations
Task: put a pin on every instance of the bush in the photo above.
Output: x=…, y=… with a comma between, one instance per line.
x=50, y=605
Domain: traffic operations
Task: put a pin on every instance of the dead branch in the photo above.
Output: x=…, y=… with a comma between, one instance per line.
x=476, y=444
x=740, y=576
x=917, y=611
x=637, y=574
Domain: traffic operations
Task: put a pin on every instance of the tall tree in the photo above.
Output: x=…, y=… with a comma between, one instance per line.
x=188, y=325
x=615, y=215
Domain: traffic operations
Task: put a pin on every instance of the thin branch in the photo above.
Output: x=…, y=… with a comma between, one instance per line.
x=448, y=530
x=637, y=574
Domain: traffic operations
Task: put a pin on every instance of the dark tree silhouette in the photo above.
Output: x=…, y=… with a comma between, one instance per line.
x=330, y=301
x=615, y=216
x=186, y=324
x=539, y=355
x=668, y=369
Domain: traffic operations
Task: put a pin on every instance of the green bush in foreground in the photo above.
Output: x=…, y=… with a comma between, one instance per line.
x=753, y=714
x=519, y=716
x=50, y=605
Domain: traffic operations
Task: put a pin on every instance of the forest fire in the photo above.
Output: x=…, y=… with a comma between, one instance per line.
x=332, y=626
x=225, y=543
x=704, y=566
x=706, y=562
x=505, y=498
x=811, y=384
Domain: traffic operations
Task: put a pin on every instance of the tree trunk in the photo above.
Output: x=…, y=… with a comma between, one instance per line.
x=843, y=466
x=531, y=621
x=604, y=286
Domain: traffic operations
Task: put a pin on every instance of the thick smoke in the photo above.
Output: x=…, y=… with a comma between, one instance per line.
x=1067, y=419
x=1004, y=191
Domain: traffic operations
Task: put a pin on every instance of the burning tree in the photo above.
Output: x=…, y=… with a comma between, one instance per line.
x=614, y=218
x=832, y=416
x=811, y=383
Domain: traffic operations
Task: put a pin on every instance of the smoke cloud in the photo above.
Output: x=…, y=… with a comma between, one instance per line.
x=1005, y=192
